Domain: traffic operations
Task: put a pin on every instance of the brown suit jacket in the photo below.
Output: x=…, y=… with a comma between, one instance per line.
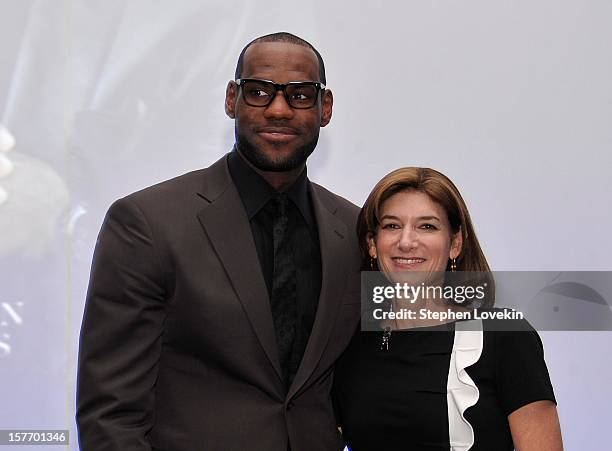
x=178, y=351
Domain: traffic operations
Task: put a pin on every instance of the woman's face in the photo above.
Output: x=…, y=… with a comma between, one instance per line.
x=414, y=234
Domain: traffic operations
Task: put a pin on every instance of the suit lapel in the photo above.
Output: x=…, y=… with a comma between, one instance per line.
x=334, y=255
x=226, y=224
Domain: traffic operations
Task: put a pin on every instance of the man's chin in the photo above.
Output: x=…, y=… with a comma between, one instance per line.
x=276, y=160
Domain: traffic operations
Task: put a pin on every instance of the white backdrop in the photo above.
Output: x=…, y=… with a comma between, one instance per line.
x=98, y=98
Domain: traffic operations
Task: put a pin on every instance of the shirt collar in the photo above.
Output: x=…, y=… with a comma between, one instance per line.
x=255, y=192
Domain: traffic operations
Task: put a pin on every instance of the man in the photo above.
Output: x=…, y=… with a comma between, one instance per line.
x=220, y=300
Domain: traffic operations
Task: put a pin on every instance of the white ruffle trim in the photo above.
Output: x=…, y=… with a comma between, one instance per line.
x=461, y=391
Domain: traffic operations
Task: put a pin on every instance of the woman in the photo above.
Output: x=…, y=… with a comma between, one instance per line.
x=442, y=386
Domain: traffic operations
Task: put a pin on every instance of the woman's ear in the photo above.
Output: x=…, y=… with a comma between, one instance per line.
x=456, y=244
x=371, y=245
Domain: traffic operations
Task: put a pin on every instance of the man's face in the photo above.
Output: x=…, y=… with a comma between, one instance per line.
x=278, y=138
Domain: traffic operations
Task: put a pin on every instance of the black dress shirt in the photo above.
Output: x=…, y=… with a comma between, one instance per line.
x=255, y=194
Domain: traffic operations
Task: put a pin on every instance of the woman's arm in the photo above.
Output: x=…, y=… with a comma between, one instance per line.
x=535, y=427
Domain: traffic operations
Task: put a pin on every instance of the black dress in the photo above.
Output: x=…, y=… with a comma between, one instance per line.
x=414, y=396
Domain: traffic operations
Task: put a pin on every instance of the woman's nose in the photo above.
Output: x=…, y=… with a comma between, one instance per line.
x=408, y=239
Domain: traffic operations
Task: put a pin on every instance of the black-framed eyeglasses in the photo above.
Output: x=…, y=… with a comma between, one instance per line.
x=298, y=94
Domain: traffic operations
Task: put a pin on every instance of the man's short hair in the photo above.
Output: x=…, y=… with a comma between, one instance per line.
x=282, y=36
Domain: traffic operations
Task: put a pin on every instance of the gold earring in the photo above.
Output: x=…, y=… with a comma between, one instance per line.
x=453, y=267
x=372, y=263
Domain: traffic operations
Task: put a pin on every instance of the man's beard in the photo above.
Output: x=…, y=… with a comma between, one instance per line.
x=262, y=162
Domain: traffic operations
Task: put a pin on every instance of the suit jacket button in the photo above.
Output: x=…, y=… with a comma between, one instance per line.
x=290, y=405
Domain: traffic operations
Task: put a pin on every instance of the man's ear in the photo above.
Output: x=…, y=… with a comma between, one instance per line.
x=327, y=102
x=371, y=245
x=231, y=95
x=456, y=244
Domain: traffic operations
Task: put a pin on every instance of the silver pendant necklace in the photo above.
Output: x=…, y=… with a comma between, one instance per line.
x=384, y=346
x=386, y=337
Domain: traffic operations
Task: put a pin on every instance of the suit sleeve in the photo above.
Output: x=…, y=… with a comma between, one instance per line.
x=121, y=333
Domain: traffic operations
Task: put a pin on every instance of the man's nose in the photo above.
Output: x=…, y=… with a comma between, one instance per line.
x=279, y=108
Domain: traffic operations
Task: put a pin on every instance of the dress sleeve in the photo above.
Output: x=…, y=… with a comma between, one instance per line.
x=522, y=376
